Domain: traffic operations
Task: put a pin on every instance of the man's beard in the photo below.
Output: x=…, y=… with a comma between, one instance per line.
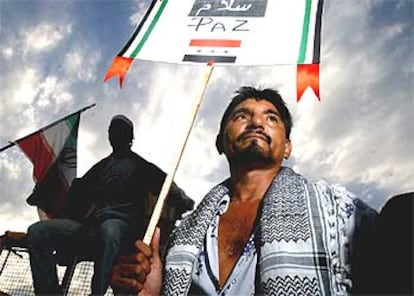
x=252, y=154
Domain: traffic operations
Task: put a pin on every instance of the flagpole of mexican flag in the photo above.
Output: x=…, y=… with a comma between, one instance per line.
x=11, y=144
x=170, y=176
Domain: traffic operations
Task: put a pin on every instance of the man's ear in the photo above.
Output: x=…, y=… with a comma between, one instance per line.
x=219, y=143
x=288, y=149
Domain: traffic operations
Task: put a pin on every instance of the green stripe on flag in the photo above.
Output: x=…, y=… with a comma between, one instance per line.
x=72, y=121
x=149, y=30
x=305, y=32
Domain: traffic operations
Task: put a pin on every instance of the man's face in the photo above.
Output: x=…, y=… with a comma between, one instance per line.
x=255, y=132
x=119, y=134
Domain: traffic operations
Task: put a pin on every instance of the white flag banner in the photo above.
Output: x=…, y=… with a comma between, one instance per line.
x=231, y=32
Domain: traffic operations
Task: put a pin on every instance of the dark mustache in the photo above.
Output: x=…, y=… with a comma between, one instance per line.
x=249, y=132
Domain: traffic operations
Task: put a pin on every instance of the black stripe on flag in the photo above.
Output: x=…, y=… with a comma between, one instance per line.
x=317, y=38
x=138, y=28
x=206, y=58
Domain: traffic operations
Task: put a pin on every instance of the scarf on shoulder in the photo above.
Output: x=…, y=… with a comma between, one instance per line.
x=301, y=230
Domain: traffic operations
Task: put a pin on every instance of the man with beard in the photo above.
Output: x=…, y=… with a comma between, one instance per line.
x=266, y=229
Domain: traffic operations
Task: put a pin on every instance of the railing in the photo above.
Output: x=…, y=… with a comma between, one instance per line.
x=15, y=273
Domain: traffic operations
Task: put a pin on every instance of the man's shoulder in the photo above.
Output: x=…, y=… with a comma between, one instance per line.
x=94, y=169
x=341, y=196
x=144, y=162
x=136, y=157
x=102, y=161
x=333, y=190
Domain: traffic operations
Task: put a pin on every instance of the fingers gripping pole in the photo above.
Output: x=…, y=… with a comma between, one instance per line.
x=170, y=176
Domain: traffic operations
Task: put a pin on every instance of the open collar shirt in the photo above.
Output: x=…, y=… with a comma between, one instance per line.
x=206, y=270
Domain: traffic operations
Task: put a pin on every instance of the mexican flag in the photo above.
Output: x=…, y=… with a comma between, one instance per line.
x=228, y=32
x=52, y=151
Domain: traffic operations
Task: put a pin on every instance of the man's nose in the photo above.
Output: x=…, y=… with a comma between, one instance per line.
x=257, y=121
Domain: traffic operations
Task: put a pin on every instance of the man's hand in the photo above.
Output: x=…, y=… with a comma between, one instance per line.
x=140, y=272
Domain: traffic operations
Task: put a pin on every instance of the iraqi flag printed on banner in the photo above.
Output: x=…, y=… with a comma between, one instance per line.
x=228, y=32
x=53, y=153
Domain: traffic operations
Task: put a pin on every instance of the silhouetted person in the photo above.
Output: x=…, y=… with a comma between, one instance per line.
x=395, y=246
x=109, y=201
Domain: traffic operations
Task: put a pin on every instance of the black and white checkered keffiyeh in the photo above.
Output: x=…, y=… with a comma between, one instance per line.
x=302, y=239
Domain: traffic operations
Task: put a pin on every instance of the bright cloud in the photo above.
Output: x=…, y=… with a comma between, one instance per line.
x=81, y=63
x=45, y=36
x=27, y=87
x=7, y=52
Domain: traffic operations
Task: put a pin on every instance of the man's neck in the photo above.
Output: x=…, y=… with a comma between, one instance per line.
x=121, y=150
x=251, y=184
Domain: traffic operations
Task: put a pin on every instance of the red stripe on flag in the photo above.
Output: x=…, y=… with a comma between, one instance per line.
x=307, y=75
x=39, y=154
x=119, y=67
x=215, y=42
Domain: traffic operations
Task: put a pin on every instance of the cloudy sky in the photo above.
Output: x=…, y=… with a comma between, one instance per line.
x=54, y=55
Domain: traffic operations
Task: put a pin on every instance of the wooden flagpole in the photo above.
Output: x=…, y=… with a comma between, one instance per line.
x=11, y=144
x=170, y=176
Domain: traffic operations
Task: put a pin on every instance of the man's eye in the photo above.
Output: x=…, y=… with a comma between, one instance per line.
x=240, y=116
x=272, y=118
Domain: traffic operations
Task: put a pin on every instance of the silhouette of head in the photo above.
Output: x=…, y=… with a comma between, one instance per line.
x=121, y=133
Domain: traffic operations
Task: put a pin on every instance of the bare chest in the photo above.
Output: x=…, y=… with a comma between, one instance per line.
x=234, y=232
x=235, y=228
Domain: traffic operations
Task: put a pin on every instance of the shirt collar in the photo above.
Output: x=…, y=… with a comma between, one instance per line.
x=223, y=205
